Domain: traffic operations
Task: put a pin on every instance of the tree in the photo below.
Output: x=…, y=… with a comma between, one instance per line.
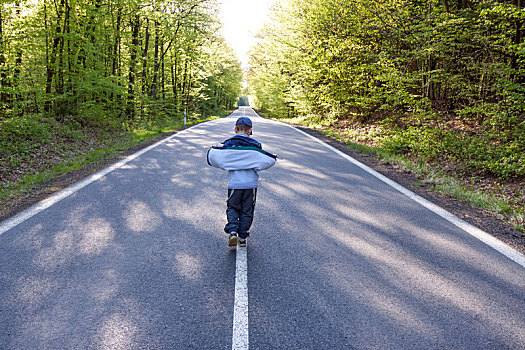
x=411, y=64
x=107, y=60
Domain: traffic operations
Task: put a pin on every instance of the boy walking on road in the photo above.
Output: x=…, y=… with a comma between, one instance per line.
x=243, y=157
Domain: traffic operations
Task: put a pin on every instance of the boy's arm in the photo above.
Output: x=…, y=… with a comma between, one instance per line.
x=240, y=158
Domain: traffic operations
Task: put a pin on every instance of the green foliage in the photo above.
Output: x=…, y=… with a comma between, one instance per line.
x=19, y=137
x=476, y=154
x=417, y=67
x=221, y=77
x=114, y=62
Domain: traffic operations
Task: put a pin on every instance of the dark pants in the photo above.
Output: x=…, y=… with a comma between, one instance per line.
x=241, y=204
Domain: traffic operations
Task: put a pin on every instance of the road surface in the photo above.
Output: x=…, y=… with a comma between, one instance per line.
x=135, y=257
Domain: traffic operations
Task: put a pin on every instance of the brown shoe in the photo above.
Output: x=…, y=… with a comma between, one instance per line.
x=232, y=242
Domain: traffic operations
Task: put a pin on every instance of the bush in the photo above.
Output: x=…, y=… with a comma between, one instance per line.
x=477, y=153
x=20, y=136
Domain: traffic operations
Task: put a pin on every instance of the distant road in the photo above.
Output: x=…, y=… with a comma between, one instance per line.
x=135, y=258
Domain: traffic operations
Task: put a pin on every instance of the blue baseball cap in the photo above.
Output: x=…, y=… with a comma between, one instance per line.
x=244, y=121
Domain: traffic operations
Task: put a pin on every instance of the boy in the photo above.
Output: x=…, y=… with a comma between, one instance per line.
x=243, y=157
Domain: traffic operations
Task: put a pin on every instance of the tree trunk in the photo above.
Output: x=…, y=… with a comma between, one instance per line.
x=116, y=46
x=174, y=80
x=3, y=73
x=154, y=87
x=145, y=59
x=184, y=82
x=518, y=36
x=115, y=66
x=132, y=62
x=162, y=74
x=51, y=61
x=59, y=106
x=447, y=6
x=60, y=78
x=188, y=90
x=18, y=62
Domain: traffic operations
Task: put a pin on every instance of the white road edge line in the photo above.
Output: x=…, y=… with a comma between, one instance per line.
x=57, y=197
x=483, y=236
x=240, y=338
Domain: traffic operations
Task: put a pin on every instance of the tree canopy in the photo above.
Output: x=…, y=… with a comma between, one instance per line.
x=123, y=61
x=444, y=78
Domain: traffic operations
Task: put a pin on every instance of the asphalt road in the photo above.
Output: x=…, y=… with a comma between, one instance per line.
x=337, y=259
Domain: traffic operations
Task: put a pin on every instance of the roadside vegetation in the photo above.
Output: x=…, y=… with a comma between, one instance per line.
x=83, y=81
x=435, y=86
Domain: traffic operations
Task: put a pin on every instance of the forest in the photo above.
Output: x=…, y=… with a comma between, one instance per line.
x=77, y=76
x=438, y=80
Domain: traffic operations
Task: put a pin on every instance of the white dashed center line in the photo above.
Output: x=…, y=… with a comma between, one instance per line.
x=240, y=309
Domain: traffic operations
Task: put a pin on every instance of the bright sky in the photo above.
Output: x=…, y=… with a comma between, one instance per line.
x=242, y=19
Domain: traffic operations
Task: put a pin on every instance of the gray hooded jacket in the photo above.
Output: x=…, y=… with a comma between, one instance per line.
x=242, y=162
